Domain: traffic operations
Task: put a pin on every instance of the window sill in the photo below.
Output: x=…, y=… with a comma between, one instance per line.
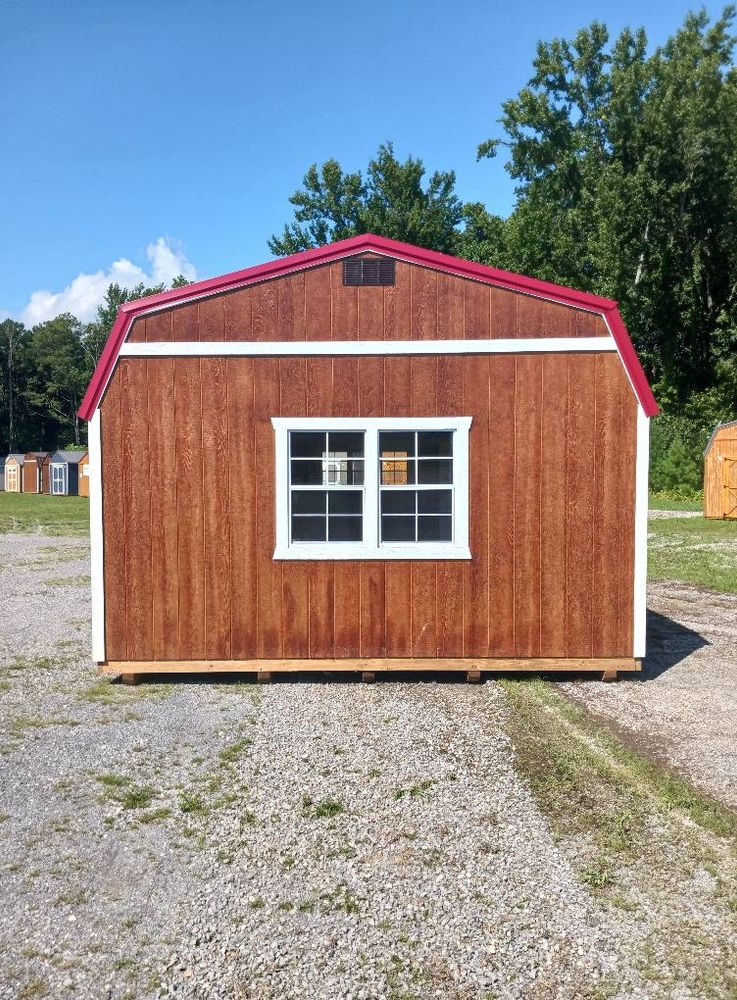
x=334, y=551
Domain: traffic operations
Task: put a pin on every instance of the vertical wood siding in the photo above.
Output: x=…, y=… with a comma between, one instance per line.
x=723, y=445
x=315, y=305
x=188, y=471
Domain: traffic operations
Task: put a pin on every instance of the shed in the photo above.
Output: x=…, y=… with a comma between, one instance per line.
x=84, y=475
x=64, y=472
x=14, y=473
x=422, y=463
x=36, y=472
x=720, y=472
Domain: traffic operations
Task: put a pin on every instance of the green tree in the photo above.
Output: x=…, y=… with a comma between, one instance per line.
x=626, y=170
x=56, y=377
x=12, y=335
x=392, y=200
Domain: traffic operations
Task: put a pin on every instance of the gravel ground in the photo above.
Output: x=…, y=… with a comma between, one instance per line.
x=304, y=839
x=682, y=708
x=675, y=513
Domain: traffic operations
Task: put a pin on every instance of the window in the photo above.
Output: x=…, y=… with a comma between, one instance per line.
x=11, y=476
x=373, y=488
x=58, y=479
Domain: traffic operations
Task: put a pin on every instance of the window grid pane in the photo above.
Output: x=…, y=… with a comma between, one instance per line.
x=321, y=465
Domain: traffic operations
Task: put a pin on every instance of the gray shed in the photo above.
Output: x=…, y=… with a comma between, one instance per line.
x=64, y=472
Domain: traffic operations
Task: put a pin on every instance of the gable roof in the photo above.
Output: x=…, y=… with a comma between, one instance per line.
x=71, y=457
x=17, y=456
x=378, y=244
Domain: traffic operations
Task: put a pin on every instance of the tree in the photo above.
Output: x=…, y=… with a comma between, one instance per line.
x=391, y=201
x=56, y=377
x=626, y=166
x=11, y=341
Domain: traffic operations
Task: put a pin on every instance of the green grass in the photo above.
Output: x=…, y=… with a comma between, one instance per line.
x=695, y=550
x=657, y=502
x=30, y=512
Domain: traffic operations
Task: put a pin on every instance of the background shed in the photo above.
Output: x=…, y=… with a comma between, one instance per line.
x=14, y=473
x=36, y=472
x=84, y=475
x=720, y=472
x=64, y=474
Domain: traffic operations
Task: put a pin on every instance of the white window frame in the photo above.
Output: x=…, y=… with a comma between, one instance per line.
x=54, y=480
x=371, y=547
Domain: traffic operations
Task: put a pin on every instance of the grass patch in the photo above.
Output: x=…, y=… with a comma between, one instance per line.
x=230, y=754
x=31, y=512
x=19, y=724
x=324, y=809
x=675, y=500
x=695, y=550
x=68, y=581
x=191, y=803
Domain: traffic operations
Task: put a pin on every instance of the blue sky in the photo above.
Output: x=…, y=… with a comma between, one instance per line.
x=167, y=136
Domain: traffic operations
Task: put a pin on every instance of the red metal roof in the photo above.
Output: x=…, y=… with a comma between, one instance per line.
x=378, y=244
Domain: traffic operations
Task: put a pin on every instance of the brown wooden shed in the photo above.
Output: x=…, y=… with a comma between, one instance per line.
x=36, y=472
x=424, y=463
x=720, y=472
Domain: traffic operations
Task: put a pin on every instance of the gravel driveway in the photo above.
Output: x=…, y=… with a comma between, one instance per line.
x=304, y=839
x=682, y=708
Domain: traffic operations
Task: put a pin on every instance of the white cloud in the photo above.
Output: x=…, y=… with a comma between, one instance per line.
x=84, y=293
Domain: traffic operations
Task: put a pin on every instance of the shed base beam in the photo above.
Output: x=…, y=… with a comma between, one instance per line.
x=472, y=666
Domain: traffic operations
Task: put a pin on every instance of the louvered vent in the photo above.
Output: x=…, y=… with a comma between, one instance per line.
x=368, y=271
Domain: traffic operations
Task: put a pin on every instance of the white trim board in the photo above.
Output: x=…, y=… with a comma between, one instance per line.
x=284, y=348
x=97, y=557
x=641, y=505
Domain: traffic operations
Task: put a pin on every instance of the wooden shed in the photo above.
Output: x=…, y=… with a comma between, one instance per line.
x=423, y=463
x=84, y=475
x=64, y=472
x=720, y=472
x=36, y=472
x=14, y=473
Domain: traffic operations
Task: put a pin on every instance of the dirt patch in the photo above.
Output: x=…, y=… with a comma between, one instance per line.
x=682, y=708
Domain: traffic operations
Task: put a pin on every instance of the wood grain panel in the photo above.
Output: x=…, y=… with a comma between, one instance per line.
x=291, y=306
x=318, y=306
x=185, y=323
x=344, y=307
x=371, y=574
x=450, y=307
x=397, y=574
x=162, y=459
x=397, y=306
x=113, y=521
x=212, y=318
x=477, y=307
x=159, y=326
x=527, y=479
x=424, y=614
x=370, y=387
x=295, y=577
x=190, y=514
x=238, y=315
x=553, y=499
x=216, y=460
x=265, y=312
x=476, y=578
x=450, y=574
x=244, y=471
x=625, y=491
x=266, y=405
x=580, y=524
x=500, y=534
x=137, y=331
x=136, y=510
x=345, y=387
x=424, y=307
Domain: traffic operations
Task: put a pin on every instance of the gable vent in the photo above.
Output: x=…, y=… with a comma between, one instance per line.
x=368, y=271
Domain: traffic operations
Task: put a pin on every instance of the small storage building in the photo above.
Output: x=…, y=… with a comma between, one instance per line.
x=14, y=473
x=84, y=475
x=369, y=456
x=64, y=472
x=36, y=472
x=720, y=472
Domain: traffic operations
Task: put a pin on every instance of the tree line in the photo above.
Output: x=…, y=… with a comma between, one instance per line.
x=625, y=166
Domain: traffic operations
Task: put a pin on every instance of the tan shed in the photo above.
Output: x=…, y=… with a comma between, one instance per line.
x=720, y=472
x=14, y=473
x=369, y=456
x=84, y=475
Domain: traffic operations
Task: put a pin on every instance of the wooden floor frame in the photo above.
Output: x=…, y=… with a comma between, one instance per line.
x=132, y=670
